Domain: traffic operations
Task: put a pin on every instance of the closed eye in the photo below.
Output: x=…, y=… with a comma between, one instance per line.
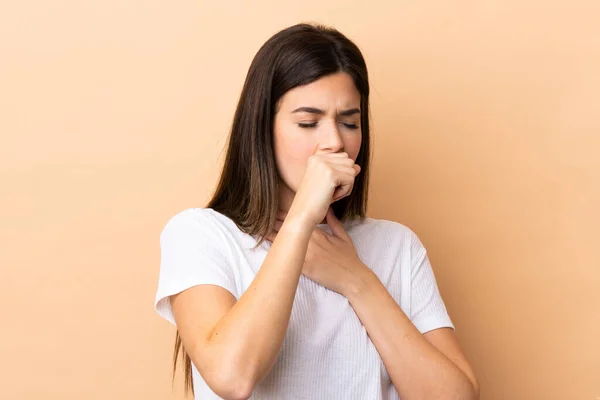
x=304, y=125
x=314, y=124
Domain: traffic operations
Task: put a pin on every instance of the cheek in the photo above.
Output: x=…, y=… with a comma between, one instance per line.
x=291, y=155
x=352, y=146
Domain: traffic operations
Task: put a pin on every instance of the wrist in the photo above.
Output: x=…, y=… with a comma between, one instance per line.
x=297, y=223
x=360, y=282
x=300, y=220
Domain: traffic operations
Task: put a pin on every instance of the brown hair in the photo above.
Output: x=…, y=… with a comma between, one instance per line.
x=248, y=189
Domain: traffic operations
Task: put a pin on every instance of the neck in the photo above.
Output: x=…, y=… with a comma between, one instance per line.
x=286, y=197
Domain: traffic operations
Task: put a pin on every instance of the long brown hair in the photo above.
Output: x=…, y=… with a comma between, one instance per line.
x=248, y=189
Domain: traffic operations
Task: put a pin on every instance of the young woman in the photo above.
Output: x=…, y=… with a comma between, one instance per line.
x=281, y=287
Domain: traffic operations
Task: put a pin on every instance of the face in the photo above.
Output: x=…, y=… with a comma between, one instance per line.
x=324, y=114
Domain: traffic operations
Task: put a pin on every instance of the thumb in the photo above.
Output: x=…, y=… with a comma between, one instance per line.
x=337, y=228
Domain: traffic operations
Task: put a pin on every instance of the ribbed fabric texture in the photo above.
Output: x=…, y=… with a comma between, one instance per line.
x=326, y=353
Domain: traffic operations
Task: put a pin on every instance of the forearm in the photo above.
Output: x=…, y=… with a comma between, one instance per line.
x=249, y=337
x=417, y=369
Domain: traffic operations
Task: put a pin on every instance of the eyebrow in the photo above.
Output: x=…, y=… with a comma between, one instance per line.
x=313, y=110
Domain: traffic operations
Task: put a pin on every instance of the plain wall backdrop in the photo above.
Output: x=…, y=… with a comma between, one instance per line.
x=114, y=114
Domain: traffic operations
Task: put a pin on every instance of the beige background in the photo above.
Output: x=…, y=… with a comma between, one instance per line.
x=487, y=142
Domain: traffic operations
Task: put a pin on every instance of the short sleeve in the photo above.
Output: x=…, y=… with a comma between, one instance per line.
x=428, y=311
x=192, y=252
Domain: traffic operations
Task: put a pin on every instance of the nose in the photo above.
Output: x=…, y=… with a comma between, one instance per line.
x=332, y=140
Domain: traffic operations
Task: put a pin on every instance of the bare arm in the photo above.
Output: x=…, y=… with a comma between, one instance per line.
x=235, y=344
x=429, y=366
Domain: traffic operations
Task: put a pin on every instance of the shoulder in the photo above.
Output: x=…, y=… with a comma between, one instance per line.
x=388, y=229
x=190, y=221
x=387, y=235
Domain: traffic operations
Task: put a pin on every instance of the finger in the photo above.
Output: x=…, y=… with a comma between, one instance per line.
x=340, y=161
x=317, y=150
x=346, y=169
x=350, y=170
x=337, y=228
x=343, y=190
x=320, y=152
x=346, y=183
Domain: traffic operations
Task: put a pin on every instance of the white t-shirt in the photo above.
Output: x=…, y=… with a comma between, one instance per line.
x=326, y=353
